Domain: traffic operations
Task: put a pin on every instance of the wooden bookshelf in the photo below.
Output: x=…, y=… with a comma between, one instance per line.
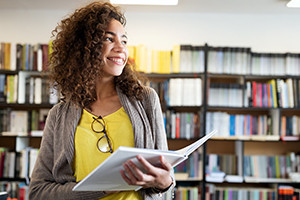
x=238, y=67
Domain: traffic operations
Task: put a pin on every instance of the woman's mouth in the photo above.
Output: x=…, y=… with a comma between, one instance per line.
x=118, y=61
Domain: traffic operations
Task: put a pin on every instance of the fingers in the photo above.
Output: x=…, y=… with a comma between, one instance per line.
x=152, y=169
x=126, y=179
x=158, y=177
x=165, y=164
x=133, y=175
x=146, y=165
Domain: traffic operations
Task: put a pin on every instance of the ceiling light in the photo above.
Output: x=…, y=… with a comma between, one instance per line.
x=145, y=2
x=293, y=4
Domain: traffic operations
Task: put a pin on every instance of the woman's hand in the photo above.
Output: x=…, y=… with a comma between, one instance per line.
x=158, y=177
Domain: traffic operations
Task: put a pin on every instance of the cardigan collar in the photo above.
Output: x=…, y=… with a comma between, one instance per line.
x=134, y=108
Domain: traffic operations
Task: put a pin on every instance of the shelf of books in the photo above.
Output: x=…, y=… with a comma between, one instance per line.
x=25, y=99
x=251, y=98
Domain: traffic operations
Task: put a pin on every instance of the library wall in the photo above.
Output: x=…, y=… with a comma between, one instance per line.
x=262, y=32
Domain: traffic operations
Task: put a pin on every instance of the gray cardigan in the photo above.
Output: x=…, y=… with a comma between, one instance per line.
x=53, y=177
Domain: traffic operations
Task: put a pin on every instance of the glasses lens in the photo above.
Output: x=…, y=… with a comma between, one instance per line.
x=98, y=125
x=104, y=145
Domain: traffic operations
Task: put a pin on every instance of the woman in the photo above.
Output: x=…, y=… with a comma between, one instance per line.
x=104, y=106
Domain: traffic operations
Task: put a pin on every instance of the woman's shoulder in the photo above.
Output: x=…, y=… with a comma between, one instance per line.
x=58, y=106
x=62, y=107
x=150, y=96
x=149, y=92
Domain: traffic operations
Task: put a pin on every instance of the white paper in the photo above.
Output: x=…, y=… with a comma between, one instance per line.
x=107, y=176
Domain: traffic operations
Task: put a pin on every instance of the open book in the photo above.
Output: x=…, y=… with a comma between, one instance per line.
x=107, y=176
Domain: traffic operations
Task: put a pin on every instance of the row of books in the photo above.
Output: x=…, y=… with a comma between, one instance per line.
x=220, y=168
x=226, y=60
x=150, y=60
x=16, y=190
x=179, y=91
x=17, y=164
x=245, y=126
x=7, y=163
x=275, y=64
x=264, y=167
x=16, y=56
x=22, y=123
x=214, y=192
x=190, y=168
x=8, y=88
x=225, y=94
x=288, y=93
x=187, y=193
x=262, y=94
x=226, y=163
x=287, y=192
x=181, y=59
x=185, y=92
x=186, y=58
x=182, y=125
x=278, y=166
x=290, y=126
x=26, y=88
x=273, y=94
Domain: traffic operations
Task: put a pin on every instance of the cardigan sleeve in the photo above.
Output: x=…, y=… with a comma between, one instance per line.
x=155, y=116
x=46, y=182
x=154, y=112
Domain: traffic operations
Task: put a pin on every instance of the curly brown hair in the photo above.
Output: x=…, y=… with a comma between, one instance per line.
x=75, y=61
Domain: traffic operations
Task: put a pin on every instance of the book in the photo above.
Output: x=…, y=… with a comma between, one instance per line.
x=176, y=59
x=38, y=90
x=107, y=176
x=18, y=123
x=3, y=195
x=215, y=177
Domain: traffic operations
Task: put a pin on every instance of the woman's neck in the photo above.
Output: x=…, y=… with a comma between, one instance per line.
x=105, y=88
x=107, y=100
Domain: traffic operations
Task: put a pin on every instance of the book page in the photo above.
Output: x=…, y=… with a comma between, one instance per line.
x=107, y=176
x=192, y=147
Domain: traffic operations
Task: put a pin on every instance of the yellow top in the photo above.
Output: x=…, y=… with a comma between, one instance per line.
x=88, y=157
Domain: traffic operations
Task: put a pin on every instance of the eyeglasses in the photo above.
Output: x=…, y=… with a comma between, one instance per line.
x=103, y=143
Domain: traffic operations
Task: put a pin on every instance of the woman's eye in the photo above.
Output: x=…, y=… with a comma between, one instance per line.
x=124, y=42
x=108, y=39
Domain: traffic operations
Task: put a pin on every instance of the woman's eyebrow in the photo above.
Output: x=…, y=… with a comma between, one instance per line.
x=112, y=33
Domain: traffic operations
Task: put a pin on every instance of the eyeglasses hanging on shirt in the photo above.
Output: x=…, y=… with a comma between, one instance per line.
x=103, y=143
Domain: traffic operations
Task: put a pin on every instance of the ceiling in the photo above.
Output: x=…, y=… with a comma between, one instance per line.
x=184, y=6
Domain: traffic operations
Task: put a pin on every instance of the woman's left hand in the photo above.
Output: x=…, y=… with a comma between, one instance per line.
x=158, y=177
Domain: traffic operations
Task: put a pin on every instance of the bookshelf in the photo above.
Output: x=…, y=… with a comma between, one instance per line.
x=216, y=92
x=253, y=98
x=251, y=107
x=25, y=99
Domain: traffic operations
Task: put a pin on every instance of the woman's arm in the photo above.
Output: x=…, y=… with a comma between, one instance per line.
x=52, y=177
x=158, y=178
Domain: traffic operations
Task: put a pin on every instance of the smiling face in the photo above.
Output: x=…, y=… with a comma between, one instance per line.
x=114, y=50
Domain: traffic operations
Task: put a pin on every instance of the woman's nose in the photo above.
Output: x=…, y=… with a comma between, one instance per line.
x=119, y=46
